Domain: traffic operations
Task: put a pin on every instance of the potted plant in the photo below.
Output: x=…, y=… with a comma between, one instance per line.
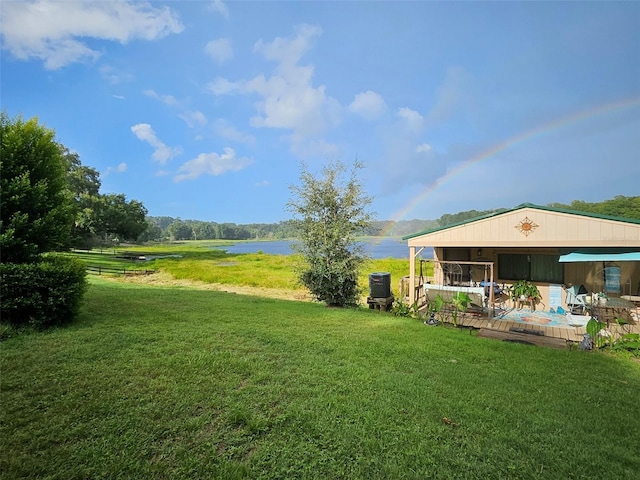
x=601, y=298
x=525, y=291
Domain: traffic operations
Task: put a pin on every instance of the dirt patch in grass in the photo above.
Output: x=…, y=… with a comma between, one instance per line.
x=164, y=279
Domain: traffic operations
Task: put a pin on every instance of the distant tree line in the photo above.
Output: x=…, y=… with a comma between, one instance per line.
x=618, y=206
x=168, y=228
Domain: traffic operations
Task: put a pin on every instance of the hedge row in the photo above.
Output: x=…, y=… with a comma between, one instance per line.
x=42, y=294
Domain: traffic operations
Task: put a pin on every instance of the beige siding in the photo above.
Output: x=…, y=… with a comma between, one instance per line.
x=553, y=229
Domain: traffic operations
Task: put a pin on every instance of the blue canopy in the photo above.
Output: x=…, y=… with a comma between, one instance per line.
x=601, y=257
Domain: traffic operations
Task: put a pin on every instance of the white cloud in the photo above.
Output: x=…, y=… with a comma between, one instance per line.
x=369, y=105
x=288, y=98
x=113, y=76
x=119, y=97
x=288, y=51
x=413, y=120
x=193, y=118
x=305, y=147
x=212, y=164
x=166, y=99
x=222, y=86
x=162, y=153
x=292, y=103
x=219, y=7
x=263, y=183
x=122, y=167
x=54, y=31
x=220, y=50
x=424, y=148
x=228, y=131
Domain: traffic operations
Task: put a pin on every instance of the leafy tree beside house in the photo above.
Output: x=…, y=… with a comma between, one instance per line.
x=329, y=212
x=36, y=216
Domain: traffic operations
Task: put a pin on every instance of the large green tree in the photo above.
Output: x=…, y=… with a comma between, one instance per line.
x=84, y=184
x=36, y=218
x=120, y=218
x=35, y=202
x=99, y=217
x=330, y=210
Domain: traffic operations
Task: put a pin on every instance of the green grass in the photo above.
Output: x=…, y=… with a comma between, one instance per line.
x=201, y=262
x=108, y=259
x=175, y=383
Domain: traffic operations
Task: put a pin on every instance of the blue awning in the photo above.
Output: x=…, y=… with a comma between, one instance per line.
x=600, y=257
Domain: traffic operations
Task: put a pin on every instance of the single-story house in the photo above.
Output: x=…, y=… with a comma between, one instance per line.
x=551, y=247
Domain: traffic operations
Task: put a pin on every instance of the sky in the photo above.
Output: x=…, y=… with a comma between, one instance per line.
x=207, y=110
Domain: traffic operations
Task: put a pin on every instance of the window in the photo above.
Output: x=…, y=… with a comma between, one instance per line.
x=536, y=268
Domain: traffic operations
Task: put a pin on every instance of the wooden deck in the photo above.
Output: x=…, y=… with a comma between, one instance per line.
x=535, y=334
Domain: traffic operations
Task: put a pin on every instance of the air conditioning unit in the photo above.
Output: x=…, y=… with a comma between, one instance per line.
x=380, y=285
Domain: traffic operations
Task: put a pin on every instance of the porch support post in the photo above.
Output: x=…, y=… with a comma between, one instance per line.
x=492, y=304
x=412, y=277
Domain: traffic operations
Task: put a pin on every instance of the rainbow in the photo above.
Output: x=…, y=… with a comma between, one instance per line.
x=500, y=147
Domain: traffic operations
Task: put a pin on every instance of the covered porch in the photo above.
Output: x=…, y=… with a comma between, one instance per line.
x=546, y=247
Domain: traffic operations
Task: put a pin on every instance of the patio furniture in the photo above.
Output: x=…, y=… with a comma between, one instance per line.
x=497, y=289
x=576, y=299
x=447, y=294
x=613, y=309
x=448, y=291
x=500, y=293
x=452, y=273
x=632, y=298
x=577, y=320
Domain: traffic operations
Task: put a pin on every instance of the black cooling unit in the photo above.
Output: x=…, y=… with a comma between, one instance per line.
x=380, y=285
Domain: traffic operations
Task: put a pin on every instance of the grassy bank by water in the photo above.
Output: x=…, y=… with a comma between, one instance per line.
x=200, y=261
x=177, y=383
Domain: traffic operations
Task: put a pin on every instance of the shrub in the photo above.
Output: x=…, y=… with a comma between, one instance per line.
x=42, y=294
x=401, y=308
x=334, y=284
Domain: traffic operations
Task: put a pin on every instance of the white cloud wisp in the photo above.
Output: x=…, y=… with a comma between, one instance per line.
x=162, y=153
x=212, y=164
x=52, y=30
x=288, y=98
x=369, y=105
x=220, y=50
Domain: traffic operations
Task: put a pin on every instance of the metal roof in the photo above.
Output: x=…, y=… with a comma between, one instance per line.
x=521, y=207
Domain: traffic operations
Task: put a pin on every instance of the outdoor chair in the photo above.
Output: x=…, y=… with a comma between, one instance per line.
x=576, y=299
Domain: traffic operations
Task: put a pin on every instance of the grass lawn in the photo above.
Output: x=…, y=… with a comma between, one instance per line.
x=178, y=383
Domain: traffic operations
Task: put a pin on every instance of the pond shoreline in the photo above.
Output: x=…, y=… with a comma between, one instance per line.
x=375, y=247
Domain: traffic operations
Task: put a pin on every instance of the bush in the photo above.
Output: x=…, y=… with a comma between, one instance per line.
x=333, y=284
x=42, y=294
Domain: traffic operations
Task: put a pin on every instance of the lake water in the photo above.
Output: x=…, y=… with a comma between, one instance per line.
x=376, y=248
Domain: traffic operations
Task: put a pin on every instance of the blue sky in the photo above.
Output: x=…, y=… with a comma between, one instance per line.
x=205, y=109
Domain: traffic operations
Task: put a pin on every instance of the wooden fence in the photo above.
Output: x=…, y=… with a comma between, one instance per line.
x=102, y=270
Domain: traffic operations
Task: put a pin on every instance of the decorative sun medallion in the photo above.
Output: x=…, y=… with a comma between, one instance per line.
x=526, y=226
